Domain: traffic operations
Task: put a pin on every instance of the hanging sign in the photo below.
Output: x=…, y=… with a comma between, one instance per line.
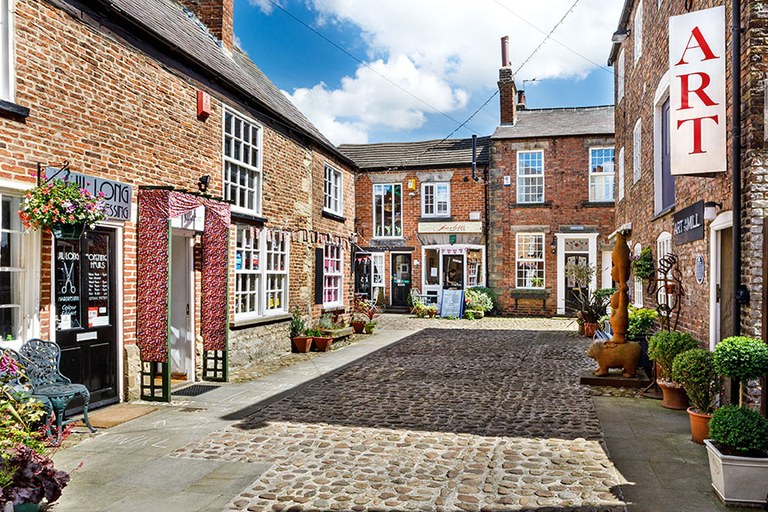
x=689, y=224
x=697, y=102
x=117, y=195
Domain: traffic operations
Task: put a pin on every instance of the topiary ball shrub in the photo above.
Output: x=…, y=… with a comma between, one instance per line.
x=695, y=370
x=741, y=358
x=739, y=431
x=664, y=346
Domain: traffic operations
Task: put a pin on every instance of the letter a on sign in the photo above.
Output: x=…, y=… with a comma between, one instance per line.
x=697, y=102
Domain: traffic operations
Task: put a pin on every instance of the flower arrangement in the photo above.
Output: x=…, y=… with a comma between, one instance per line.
x=59, y=202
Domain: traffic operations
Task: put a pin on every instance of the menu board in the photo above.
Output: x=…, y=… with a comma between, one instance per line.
x=452, y=303
x=67, y=292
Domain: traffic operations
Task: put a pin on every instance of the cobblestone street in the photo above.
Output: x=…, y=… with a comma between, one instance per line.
x=443, y=420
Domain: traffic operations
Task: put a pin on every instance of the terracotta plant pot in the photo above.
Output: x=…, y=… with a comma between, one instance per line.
x=699, y=425
x=302, y=344
x=322, y=344
x=359, y=327
x=589, y=329
x=674, y=396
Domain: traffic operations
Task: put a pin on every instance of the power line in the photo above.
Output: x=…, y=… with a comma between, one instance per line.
x=359, y=61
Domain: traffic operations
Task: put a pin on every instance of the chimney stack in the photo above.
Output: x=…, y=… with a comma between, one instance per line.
x=507, y=88
x=521, y=100
x=218, y=16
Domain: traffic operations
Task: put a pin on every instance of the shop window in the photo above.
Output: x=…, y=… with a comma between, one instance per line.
x=12, y=269
x=242, y=162
x=261, y=272
x=601, y=176
x=475, y=276
x=377, y=275
x=333, y=292
x=333, y=190
x=388, y=211
x=530, y=176
x=432, y=267
x=530, y=260
x=7, y=59
x=436, y=199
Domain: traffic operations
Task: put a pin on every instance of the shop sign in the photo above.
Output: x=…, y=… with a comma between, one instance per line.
x=697, y=113
x=689, y=224
x=117, y=195
x=450, y=227
x=193, y=220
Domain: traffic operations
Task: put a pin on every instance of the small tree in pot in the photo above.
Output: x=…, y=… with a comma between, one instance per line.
x=663, y=347
x=299, y=339
x=695, y=370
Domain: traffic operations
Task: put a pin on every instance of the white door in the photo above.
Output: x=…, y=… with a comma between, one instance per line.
x=182, y=339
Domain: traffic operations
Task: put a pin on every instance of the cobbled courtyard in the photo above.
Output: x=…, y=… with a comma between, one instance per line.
x=443, y=420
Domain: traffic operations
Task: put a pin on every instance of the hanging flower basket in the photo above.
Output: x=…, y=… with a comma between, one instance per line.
x=65, y=208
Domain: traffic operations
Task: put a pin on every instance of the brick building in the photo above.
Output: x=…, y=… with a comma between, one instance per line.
x=420, y=217
x=655, y=202
x=551, y=200
x=146, y=99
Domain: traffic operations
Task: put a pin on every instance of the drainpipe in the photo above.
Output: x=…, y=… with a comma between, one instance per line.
x=474, y=157
x=740, y=294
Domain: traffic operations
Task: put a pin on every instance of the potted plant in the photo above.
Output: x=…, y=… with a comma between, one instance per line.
x=695, y=370
x=299, y=340
x=643, y=265
x=63, y=207
x=321, y=341
x=642, y=322
x=663, y=347
x=371, y=311
x=588, y=306
x=358, y=315
x=477, y=303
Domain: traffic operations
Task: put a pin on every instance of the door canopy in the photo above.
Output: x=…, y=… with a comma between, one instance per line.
x=156, y=207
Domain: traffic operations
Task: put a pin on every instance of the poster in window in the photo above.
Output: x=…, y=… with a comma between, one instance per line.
x=97, y=273
x=67, y=291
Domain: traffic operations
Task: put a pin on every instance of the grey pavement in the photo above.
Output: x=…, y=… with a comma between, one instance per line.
x=459, y=419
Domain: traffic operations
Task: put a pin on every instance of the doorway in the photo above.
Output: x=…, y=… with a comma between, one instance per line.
x=453, y=271
x=721, y=278
x=401, y=279
x=182, y=301
x=573, y=292
x=86, y=313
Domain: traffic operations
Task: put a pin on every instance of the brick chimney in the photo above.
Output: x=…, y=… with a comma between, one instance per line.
x=507, y=88
x=521, y=99
x=217, y=15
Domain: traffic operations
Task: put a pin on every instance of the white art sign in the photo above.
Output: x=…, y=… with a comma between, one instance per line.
x=697, y=113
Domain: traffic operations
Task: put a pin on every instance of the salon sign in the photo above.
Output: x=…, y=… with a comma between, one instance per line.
x=697, y=102
x=450, y=227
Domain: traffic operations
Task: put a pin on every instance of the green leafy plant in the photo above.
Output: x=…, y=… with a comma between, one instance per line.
x=741, y=358
x=642, y=321
x=469, y=314
x=478, y=300
x=59, y=202
x=314, y=333
x=664, y=346
x=739, y=431
x=380, y=300
x=695, y=370
x=644, y=266
x=298, y=324
x=490, y=293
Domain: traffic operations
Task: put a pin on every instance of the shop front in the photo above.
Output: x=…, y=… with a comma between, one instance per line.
x=451, y=267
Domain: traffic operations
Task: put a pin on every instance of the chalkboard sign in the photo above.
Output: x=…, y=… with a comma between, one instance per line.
x=452, y=303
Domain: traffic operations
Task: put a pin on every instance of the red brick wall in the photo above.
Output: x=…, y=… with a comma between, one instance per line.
x=566, y=193
x=217, y=15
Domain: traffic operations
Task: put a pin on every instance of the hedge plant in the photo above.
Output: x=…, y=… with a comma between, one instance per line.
x=641, y=321
x=644, y=266
x=740, y=430
x=664, y=346
x=695, y=370
x=741, y=358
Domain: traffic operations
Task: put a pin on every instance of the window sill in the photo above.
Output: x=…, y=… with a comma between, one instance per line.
x=388, y=238
x=598, y=204
x=545, y=204
x=333, y=216
x=334, y=307
x=663, y=213
x=262, y=320
x=10, y=109
x=435, y=218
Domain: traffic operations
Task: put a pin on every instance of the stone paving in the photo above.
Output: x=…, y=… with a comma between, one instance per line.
x=407, y=322
x=443, y=420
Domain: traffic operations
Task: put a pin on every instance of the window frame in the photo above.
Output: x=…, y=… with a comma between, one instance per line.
x=663, y=247
x=335, y=181
x=621, y=177
x=518, y=260
x=593, y=176
x=375, y=213
x=637, y=151
x=8, y=51
x=637, y=292
x=436, y=213
x=242, y=165
x=637, y=31
x=521, y=189
x=263, y=273
x=335, y=275
x=620, y=83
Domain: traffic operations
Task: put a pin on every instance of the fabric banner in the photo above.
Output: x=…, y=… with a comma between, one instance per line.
x=156, y=208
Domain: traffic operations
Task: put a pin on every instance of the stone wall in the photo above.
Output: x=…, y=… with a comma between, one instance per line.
x=258, y=343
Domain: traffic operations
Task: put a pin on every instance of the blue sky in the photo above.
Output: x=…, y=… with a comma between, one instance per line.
x=421, y=67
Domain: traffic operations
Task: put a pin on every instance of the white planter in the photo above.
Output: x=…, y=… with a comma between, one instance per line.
x=738, y=479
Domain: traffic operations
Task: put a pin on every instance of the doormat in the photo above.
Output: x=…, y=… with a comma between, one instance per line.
x=114, y=415
x=195, y=390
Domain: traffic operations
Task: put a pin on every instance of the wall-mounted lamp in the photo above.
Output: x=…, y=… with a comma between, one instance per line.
x=710, y=210
x=553, y=245
x=203, y=182
x=620, y=36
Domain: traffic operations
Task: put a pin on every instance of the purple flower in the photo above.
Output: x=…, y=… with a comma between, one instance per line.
x=8, y=365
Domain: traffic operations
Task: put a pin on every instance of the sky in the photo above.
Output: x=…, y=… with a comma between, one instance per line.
x=367, y=71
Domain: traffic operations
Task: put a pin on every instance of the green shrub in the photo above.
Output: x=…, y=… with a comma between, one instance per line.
x=641, y=321
x=478, y=300
x=490, y=293
x=741, y=358
x=664, y=346
x=740, y=429
x=695, y=370
x=643, y=267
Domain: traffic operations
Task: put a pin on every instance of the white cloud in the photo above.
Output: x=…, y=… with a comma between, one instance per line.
x=265, y=5
x=444, y=50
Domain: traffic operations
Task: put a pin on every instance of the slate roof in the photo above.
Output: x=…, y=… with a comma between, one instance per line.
x=559, y=122
x=176, y=26
x=422, y=154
